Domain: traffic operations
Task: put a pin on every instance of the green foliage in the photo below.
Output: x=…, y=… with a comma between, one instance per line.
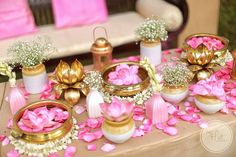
x=227, y=23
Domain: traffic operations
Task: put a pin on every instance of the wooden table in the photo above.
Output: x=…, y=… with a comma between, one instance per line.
x=185, y=144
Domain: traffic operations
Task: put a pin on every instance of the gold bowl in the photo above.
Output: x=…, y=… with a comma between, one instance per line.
x=125, y=90
x=201, y=55
x=40, y=138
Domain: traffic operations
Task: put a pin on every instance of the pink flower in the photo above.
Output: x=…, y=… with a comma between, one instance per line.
x=124, y=75
x=210, y=43
x=210, y=87
x=118, y=110
x=42, y=119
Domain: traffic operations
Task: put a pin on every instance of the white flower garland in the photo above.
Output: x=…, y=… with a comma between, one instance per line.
x=41, y=150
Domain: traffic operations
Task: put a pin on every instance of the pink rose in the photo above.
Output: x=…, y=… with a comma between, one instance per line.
x=124, y=75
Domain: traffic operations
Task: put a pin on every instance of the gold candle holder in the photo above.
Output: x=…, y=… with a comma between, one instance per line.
x=233, y=73
x=101, y=50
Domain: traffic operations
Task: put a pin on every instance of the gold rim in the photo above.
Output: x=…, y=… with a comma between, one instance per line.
x=208, y=100
x=174, y=89
x=150, y=43
x=46, y=136
x=33, y=70
x=125, y=90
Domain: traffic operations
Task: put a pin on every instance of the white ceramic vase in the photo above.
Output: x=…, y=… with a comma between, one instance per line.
x=93, y=100
x=34, y=78
x=208, y=104
x=118, y=132
x=174, y=94
x=151, y=50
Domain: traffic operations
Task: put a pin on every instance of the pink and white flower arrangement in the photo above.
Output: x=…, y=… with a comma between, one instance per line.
x=210, y=43
x=210, y=87
x=117, y=110
x=124, y=75
x=42, y=119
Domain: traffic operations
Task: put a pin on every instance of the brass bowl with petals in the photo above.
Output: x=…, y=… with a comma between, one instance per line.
x=201, y=55
x=125, y=90
x=40, y=138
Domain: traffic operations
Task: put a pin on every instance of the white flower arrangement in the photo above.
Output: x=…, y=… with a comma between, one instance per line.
x=30, y=53
x=152, y=30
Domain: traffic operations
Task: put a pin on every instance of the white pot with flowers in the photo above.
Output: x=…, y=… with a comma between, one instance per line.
x=151, y=33
x=30, y=56
x=209, y=95
x=176, y=77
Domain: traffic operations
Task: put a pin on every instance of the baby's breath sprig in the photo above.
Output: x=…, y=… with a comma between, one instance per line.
x=176, y=75
x=30, y=53
x=152, y=30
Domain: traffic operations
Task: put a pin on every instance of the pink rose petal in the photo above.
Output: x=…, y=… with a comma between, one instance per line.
x=190, y=99
x=147, y=122
x=225, y=110
x=107, y=147
x=79, y=109
x=138, y=117
x=234, y=112
x=160, y=126
x=187, y=118
x=178, y=50
x=9, y=123
x=91, y=147
x=146, y=128
x=70, y=151
x=93, y=123
x=172, y=121
x=187, y=104
x=6, y=141
x=163, y=60
x=13, y=153
x=170, y=130
x=203, y=124
x=166, y=52
x=2, y=137
x=138, y=132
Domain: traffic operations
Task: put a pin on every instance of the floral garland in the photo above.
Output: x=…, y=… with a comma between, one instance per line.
x=42, y=150
x=138, y=99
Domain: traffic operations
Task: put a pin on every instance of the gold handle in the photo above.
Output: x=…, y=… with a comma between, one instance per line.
x=94, y=31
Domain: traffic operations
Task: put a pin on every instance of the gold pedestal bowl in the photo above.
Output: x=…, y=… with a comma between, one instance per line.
x=40, y=138
x=201, y=55
x=125, y=90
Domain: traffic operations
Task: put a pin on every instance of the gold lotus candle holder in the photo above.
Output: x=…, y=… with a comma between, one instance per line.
x=40, y=138
x=202, y=61
x=125, y=90
x=69, y=81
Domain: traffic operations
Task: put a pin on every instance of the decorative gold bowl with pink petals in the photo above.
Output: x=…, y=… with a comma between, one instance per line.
x=125, y=90
x=38, y=137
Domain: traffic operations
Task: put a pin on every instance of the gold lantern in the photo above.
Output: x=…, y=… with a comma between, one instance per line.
x=101, y=50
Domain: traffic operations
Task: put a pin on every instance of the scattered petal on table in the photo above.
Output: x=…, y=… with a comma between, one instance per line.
x=190, y=99
x=107, y=147
x=93, y=123
x=13, y=153
x=138, y=132
x=170, y=130
x=79, y=109
x=187, y=104
x=10, y=123
x=225, y=110
x=91, y=147
x=203, y=124
x=163, y=60
x=186, y=117
x=147, y=121
x=172, y=121
x=6, y=141
x=178, y=50
x=166, y=52
x=160, y=126
x=138, y=117
x=134, y=58
x=70, y=151
x=146, y=127
x=2, y=137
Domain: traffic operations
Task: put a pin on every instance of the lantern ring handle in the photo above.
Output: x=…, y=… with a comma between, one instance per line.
x=94, y=31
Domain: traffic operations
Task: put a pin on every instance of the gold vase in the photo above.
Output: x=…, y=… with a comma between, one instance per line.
x=118, y=132
x=34, y=78
x=174, y=94
x=208, y=104
x=40, y=138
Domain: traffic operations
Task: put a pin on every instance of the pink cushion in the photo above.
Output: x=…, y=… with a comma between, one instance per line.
x=78, y=12
x=15, y=18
